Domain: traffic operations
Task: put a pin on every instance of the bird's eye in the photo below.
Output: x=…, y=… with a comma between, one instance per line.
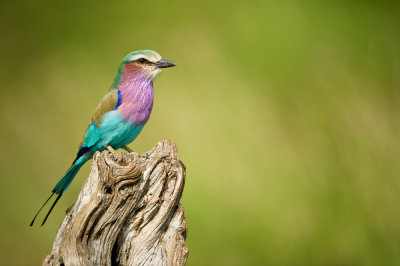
x=142, y=60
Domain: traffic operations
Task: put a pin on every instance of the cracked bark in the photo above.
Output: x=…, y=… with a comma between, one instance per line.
x=127, y=213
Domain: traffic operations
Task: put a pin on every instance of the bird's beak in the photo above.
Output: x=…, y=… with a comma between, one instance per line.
x=164, y=64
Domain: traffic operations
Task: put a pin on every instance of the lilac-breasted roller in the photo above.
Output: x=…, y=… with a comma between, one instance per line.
x=120, y=115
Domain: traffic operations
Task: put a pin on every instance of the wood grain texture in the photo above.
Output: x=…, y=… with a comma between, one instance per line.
x=127, y=213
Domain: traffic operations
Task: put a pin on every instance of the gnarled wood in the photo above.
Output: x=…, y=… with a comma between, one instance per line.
x=127, y=213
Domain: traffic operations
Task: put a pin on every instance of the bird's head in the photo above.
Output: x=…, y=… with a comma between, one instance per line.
x=147, y=62
x=142, y=66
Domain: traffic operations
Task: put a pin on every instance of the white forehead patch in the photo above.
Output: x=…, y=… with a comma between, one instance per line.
x=151, y=57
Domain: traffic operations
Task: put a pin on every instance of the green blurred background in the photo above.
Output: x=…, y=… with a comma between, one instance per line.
x=286, y=114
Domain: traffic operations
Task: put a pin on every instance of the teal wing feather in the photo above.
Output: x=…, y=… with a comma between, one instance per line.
x=110, y=102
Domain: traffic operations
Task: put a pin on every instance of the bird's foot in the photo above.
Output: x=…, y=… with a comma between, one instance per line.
x=130, y=150
x=127, y=149
x=116, y=155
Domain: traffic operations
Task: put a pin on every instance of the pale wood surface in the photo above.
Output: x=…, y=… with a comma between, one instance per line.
x=127, y=213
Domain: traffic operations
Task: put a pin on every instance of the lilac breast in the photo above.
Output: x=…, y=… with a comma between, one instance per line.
x=137, y=97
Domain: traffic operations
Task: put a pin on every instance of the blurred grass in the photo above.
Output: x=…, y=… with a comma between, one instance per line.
x=286, y=115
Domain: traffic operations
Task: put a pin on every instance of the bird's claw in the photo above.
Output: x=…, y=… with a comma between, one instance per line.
x=130, y=151
x=127, y=149
x=117, y=156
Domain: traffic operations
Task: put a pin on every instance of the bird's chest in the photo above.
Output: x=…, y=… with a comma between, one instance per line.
x=137, y=110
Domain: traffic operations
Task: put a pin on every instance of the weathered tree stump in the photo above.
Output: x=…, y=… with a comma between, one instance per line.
x=127, y=213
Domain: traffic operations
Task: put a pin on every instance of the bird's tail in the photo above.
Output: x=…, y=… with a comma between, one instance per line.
x=66, y=180
x=63, y=185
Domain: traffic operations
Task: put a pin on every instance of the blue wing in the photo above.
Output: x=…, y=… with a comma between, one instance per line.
x=111, y=101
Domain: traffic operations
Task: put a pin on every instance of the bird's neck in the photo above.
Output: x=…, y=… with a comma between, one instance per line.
x=135, y=82
x=137, y=94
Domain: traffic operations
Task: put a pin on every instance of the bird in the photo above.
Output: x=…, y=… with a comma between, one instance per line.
x=119, y=117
